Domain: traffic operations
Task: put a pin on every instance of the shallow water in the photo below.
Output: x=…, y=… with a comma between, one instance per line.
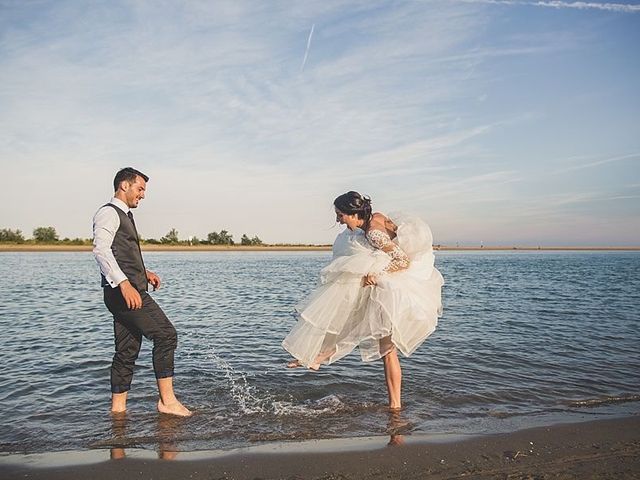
x=525, y=337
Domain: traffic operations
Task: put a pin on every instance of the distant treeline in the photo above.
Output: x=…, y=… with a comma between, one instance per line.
x=48, y=236
x=223, y=237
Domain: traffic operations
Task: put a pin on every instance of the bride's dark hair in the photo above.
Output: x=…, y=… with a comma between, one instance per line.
x=352, y=203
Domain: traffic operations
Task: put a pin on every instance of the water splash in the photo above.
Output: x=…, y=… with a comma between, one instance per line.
x=247, y=397
x=251, y=400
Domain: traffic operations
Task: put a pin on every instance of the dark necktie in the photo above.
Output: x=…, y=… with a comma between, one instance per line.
x=130, y=215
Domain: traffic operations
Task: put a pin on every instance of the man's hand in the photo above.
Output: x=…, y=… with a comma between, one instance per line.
x=369, y=280
x=153, y=279
x=131, y=296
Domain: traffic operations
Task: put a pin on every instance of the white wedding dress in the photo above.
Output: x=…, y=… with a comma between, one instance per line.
x=340, y=314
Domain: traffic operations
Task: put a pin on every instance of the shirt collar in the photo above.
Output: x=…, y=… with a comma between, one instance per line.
x=120, y=204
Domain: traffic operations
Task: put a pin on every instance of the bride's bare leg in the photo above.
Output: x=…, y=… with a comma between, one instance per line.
x=393, y=377
x=321, y=358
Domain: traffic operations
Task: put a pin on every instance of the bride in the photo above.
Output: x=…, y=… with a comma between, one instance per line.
x=381, y=292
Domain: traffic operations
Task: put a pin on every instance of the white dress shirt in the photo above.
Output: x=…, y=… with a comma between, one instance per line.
x=106, y=223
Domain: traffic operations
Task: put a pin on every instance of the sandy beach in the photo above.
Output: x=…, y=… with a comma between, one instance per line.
x=590, y=450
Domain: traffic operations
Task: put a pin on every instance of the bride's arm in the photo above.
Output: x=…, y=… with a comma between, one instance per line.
x=399, y=259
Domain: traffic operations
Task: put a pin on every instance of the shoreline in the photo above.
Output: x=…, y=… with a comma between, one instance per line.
x=298, y=248
x=608, y=448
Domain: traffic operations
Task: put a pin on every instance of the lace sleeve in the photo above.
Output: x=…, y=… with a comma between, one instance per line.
x=381, y=240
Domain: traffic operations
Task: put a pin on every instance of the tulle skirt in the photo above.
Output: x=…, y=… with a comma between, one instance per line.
x=402, y=310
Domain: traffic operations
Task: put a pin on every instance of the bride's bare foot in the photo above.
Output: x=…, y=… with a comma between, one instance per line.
x=297, y=364
x=174, y=408
x=294, y=364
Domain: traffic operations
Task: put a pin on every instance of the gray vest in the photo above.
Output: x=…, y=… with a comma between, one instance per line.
x=126, y=250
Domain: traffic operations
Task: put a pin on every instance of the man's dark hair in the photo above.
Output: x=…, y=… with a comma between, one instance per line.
x=127, y=174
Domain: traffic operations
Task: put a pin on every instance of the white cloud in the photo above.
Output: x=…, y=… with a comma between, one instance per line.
x=612, y=7
x=603, y=161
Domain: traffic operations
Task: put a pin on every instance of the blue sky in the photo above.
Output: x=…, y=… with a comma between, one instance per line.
x=502, y=122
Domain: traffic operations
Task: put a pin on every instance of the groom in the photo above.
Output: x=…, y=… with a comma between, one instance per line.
x=125, y=281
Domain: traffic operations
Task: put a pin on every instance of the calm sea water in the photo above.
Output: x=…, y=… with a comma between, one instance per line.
x=526, y=337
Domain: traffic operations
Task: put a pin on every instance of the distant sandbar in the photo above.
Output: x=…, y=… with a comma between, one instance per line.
x=294, y=248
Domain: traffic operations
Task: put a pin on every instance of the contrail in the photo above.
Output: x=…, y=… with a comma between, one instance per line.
x=612, y=7
x=306, y=52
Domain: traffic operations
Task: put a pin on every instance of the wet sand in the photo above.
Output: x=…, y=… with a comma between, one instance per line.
x=588, y=450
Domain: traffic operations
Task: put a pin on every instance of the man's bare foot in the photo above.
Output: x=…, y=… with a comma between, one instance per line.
x=174, y=408
x=395, y=408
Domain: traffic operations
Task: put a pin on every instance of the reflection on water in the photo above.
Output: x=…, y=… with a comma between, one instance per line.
x=523, y=335
x=397, y=427
x=395, y=440
x=165, y=436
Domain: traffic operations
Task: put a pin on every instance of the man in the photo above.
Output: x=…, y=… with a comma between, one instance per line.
x=125, y=281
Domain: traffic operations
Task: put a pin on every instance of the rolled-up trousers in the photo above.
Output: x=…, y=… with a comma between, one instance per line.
x=129, y=326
